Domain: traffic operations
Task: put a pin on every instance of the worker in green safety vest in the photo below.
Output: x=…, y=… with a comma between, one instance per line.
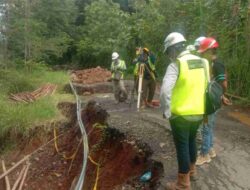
x=118, y=67
x=138, y=52
x=183, y=102
x=149, y=77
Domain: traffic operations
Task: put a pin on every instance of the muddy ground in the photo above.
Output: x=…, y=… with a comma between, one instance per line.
x=230, y=170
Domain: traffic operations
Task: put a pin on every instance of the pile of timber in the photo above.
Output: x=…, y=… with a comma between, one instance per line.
x=26, y=97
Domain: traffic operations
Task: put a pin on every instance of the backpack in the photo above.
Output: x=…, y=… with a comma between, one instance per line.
x=213, y=94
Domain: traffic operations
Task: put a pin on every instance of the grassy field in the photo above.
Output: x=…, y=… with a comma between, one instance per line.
x=17, y=118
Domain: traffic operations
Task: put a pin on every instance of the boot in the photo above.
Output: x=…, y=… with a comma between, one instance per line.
x=212, y=153
x=150, y=105
x=144, y=104
x=202, y=159
x=183, y=183
x=193, y=172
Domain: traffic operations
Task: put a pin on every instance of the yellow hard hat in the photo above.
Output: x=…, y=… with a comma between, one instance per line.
x=146, y=49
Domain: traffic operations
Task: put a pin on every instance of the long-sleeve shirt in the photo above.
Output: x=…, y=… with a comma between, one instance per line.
x=168, y=84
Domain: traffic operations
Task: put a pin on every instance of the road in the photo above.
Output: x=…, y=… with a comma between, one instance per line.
x=230, y=170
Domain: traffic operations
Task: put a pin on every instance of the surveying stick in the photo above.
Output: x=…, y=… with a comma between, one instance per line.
x=141, y=71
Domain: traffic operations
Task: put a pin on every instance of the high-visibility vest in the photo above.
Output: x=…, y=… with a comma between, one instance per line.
x=188, y=96
x=150, y=64
x=120, y=67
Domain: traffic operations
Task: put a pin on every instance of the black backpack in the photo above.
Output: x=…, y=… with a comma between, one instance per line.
x=213, y=95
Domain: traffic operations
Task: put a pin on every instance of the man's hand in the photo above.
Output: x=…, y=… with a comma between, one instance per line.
x=226, y=101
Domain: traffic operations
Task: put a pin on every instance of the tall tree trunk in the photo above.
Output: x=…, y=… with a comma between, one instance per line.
x=27, y=31
x=248, y=31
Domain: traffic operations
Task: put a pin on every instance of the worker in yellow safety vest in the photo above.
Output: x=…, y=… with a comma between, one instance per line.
x=118, y=67
x=182, y=99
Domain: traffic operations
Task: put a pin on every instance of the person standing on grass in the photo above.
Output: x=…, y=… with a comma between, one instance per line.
x=118, y=67
x=183, y=103
x=208, y=50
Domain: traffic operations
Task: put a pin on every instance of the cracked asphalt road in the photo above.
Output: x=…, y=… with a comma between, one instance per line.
x=230, y=170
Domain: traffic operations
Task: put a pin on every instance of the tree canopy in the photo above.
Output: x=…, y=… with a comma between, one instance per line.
x=86, y=32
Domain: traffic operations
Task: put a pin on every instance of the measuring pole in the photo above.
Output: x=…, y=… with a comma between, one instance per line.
x=141, y=71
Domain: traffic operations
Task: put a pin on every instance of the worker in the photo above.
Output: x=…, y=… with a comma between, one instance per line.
x=197, y=42
x=138, y=52
x=118, y=67
x=193, y=48
x=149, y=75
x=208, y=49
x=182, y=99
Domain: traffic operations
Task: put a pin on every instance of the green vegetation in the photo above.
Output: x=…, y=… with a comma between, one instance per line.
x=17, y=118
x=86, y=32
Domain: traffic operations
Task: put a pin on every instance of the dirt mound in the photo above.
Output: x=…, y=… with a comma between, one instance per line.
x=90, y=76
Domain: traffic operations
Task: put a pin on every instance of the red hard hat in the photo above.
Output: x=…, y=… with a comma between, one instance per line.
x=208, y=43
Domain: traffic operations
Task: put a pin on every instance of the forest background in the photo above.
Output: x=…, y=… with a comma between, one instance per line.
x=86, y=32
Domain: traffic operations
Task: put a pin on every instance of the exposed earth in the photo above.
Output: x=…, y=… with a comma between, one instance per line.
x=230, y=170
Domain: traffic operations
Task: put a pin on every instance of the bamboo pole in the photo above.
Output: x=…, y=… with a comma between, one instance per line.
x=237, y=97
x=19, y=178
x=13, y=167
x=7, y=182
x=24, y=177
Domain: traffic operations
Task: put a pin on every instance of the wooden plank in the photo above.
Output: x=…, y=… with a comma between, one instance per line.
x=20, y=176
x=24, y=176
x=14, y=167
x=7, y=182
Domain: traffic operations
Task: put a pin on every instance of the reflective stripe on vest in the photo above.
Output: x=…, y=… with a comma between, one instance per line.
x=188, y=96
x=120, y=66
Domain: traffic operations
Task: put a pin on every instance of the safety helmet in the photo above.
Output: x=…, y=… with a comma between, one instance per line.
x=146, y=50
x=115, y=55
x=208, y=43
x=197, y=42
x=172, y=39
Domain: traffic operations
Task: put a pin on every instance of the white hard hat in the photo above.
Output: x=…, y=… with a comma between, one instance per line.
x=115, y=55
x=197, y=42
x=172, y=39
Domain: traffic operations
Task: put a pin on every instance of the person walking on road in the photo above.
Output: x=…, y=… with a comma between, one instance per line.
x=118, y=67
x=183, y=102
x=208, y=49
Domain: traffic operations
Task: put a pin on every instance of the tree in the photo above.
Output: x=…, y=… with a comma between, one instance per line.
x=38, y=30
x=105, y=31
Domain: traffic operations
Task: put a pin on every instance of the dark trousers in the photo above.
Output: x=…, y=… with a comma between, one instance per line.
x=148, y=89
x=184, y=133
